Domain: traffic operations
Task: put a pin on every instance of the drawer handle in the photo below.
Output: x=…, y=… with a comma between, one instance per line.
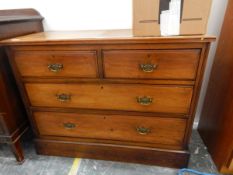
x=69, y=125
x=145, y=101
x=63, y=97
x=148, y=67
x=143, y=130
x=56, y=67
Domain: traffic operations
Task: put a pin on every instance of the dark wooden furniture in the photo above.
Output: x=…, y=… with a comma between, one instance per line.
x=13, y=121
x=216, y=123
x=108, y=95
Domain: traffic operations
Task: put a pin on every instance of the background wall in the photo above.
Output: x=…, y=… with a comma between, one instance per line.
x=78, y=14
x=214, y=28
x=107, y=14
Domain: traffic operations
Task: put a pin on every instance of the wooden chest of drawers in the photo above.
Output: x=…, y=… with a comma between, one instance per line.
x=108, y=95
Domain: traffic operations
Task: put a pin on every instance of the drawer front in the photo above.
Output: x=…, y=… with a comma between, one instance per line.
x=127, y=97
x=112, y=127
x=57, y=63
x=151, y=64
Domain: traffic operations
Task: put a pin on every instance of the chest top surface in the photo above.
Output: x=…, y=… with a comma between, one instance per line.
x=100, y=36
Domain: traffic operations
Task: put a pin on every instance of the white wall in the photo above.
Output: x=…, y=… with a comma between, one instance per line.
x=107, y=14
x=78, y=14
x=214, y=28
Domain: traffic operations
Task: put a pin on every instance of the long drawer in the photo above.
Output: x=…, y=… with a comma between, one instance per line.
x=57, y=63
x=168, y=131
x=151, y=64
x=127, y=97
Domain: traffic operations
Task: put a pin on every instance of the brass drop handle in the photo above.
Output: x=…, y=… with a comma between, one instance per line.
x=148, y=68
x=63, y=97
x=69, y=125
x=145, y=101
x=143, y=130
x=55, y=67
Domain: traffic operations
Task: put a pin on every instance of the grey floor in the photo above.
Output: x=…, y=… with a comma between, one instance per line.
x=50, y=165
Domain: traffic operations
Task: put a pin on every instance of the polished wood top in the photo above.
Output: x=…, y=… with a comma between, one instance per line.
x=15, y=15
x=99, y=36
x=7, y=19
x=19, y=22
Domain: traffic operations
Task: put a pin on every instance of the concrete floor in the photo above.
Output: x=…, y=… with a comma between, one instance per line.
x=50, y=165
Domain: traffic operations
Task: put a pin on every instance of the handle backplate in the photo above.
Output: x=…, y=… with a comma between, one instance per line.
x=63, y=97
x=143, y=130
x=69, y=125
x=148, y=68
x=55, y=67
x=145, y=101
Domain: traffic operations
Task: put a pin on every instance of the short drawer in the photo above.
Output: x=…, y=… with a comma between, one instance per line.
x=151, y=64
x=57, y=63
x=112, y=127
x=127, y=97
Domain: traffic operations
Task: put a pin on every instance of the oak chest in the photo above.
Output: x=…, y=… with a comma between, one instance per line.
x=108, y=95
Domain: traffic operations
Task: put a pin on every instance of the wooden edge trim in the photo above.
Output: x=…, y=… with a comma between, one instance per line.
x=17, y=134
x=134, y=154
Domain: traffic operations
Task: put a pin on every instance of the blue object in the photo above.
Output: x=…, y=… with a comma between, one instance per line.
x=194, y=172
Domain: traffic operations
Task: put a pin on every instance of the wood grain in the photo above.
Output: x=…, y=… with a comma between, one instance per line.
x=111, y=102
x=169, y=64
x=13, y=117
x=82, y=64
x=133, y=154
x=216, y=123
x=167, y=99
x=168, y=131
x=18, y=22
x=123, y=36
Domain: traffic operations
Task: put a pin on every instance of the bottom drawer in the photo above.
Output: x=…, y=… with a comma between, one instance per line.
x=157, y=130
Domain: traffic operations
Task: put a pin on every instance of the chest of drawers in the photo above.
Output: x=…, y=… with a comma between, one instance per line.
x=108, y=95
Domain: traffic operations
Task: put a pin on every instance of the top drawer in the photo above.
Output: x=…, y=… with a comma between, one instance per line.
x=151, y=64
x=81, y=64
